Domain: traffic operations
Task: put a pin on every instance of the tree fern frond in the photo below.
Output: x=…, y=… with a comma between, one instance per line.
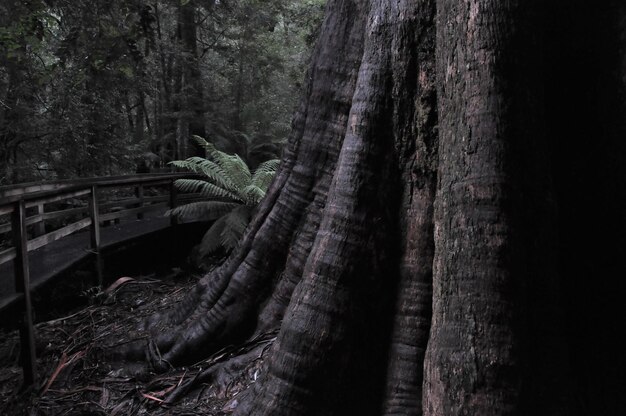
x=202, y=142
x=211, y=191
x=269, y=166
x=184, y=164
x=207, y=189
x=253, y=194
x=203, y=210
x=264, y=174
x=233, y=168
x=235, y=225
x=227, y=177
x=212, y=239
x=189, y=185
x=209, y=148
x=236, y=169
x=209, y=169
x=262, y=180
x=187, y=211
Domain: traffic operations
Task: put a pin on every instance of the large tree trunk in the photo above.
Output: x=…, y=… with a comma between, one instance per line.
x=407, y=251
x=494, y=284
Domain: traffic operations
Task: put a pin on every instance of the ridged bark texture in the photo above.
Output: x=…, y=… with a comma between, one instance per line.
x=366, y=253
x=407, y=251
x=494, y=337
x=414, y=124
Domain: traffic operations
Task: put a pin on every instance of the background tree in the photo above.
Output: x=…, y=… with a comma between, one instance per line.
x=94, y=88
x=21, y=34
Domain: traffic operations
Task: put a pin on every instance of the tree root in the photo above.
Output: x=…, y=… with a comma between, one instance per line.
x=226, y=366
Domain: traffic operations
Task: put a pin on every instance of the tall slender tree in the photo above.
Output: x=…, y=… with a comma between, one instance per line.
x=408, y=251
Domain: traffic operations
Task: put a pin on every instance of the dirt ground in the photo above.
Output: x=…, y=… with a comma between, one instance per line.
x=74, y=379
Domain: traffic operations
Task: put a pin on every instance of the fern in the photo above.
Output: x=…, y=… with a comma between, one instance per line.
x=207, y=189
x=269, y=166
x=264, y=174
x=235, y=225
x=237, y=169
x=209, y=169
x=204, y=210
x=252, y=149
x=231, y=190
x=254, y=194
x=233, y=168
x=212, y=239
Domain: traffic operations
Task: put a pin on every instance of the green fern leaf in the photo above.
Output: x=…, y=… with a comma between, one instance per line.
x=228, y=178
x=189, y=185
x=253, y=194
x=233, y=168
x=269, y=166
x=212, y=239
x=209, y=169
x=235, y=225
x=264, y=174
x=203, y=210
x=207, y=189
x=209, y=148
x=236, y=170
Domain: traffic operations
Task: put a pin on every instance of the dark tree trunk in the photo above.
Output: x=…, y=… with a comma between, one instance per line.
x=190, y=103
x=140, y=117
x=9, y=137
x=238, y=95
x=494, y=282
x=407, y=253
x=163, y=106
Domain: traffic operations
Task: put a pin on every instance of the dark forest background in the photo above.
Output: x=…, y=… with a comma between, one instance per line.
x=99, y=87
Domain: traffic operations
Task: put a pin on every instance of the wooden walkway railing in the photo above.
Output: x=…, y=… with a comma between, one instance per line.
x=16, y=201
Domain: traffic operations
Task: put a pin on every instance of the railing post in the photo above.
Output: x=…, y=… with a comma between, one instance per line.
x=40, y=228
x=139, y=194
x=173, y=194
x=95, y=231
x=22, y=285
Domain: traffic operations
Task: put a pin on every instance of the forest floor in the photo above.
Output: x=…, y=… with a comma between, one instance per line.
x=75, y=380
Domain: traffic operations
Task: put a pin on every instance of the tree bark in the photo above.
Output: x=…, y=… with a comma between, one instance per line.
x=408, y=252
x=494, y=200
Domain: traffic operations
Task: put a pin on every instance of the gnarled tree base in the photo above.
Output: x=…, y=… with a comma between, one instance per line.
x=406, y=251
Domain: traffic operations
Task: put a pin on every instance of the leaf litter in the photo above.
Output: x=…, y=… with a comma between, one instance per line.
x=74, y=379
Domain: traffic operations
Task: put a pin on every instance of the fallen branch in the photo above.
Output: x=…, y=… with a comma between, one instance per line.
x=63, y=362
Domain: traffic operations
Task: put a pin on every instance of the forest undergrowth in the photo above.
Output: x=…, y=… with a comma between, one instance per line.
x=74, y=379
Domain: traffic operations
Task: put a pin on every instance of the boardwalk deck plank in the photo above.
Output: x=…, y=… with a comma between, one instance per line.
x=59, y=256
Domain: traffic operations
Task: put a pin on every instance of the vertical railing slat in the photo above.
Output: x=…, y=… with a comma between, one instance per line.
x=22, y=285
x=173, y=195
x=40, y=228
x=139, y=195
x=95, y=231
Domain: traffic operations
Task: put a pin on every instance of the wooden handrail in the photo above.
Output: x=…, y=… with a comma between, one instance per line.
x=149, y=201
x=84, y=184
x=31, y=187
x=16, y=199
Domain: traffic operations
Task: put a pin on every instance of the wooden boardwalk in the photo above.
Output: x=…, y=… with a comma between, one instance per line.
x=44, y=244
x=59, y=256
